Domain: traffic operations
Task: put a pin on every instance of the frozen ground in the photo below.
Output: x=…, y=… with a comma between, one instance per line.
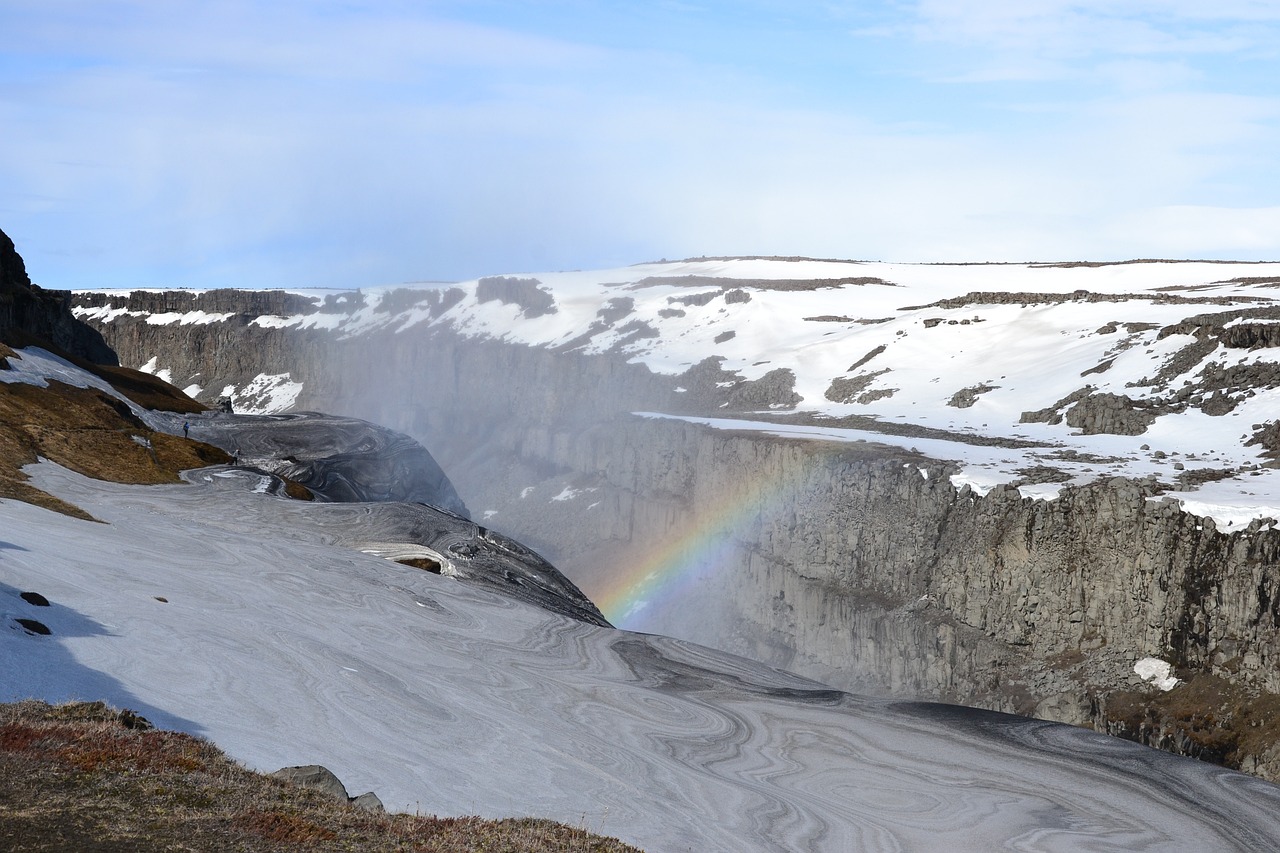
x=221, y=611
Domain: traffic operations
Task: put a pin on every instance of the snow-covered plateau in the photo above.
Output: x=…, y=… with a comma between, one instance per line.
x=985, y=364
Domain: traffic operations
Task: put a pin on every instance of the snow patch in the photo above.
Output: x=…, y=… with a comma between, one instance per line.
x=187, y=318
x=1041, y=491
x=104, y=314
x=265, y=394
x=36, y=366
x=271, y=321
x=1157, y=672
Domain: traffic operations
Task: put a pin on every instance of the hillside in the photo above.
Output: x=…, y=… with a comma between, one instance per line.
x=237, y=617
x=86, y=778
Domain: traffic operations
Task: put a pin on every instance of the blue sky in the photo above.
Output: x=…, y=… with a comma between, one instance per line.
x=290, y=143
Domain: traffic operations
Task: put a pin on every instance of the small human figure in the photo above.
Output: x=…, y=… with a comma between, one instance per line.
x=235, y=457
x=186, y=429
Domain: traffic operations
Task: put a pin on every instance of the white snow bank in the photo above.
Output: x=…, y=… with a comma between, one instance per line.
x=265, y=394
x=1157, y=672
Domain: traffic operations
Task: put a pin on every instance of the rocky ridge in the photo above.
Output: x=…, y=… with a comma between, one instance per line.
x=28, y=311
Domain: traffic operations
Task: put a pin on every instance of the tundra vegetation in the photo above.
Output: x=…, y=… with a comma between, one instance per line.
x=87, y=778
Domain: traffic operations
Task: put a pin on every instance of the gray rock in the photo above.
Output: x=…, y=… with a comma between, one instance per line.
x=369, y=802
x=315, y=776
x=524, y=292
x=322, y=779
x=966, y=397
x=1112, y=414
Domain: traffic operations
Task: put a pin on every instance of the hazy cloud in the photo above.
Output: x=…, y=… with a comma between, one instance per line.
x=343, y=143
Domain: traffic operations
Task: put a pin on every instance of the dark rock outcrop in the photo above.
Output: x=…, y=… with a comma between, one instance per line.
x=523, y=292
x=1113, y=414
x=254, y=303
x=30, y=314
x=966, y=397
x=340, y=459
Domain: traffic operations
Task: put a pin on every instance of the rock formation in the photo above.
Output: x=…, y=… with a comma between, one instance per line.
x=32, y=312
x=322, y=779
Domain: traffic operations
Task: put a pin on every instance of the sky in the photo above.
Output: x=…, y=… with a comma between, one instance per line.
x=338, y=143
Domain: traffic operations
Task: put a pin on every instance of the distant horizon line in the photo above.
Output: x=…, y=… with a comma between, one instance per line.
x=427, y=282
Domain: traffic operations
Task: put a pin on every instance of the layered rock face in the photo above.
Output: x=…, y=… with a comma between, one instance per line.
x=33, y=312
x=860, y=564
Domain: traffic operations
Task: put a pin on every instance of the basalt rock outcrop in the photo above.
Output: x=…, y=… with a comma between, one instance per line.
x=1114, y=414
x=339, y=459
x=29, y=313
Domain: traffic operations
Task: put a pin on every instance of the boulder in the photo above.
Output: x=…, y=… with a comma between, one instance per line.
x=322, y=779
x=1113, y=414
x=368, y=801
x=315, y=776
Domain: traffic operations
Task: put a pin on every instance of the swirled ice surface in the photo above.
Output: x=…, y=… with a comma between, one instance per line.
x=257, y=621
x=341, y=459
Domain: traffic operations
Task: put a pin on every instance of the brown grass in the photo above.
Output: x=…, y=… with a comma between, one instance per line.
x=1221, y=722
x=297, y=491
x=146, y=390
x=78, y=778
x=424, y=563
x=91, y=432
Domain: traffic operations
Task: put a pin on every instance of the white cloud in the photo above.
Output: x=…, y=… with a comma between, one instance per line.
x=1072, y=39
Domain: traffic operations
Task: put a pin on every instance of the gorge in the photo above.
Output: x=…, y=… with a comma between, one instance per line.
x=997, y=485
x=300, y=586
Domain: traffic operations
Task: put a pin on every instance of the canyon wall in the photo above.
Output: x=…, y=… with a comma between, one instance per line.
x=857, y=563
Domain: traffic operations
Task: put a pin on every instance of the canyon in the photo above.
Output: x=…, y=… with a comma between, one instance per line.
x=304, y=587
x=1001, y=486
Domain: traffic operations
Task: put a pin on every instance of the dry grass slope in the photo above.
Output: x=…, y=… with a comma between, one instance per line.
x=1208, y=718
x=91, y=432
x=85, y=778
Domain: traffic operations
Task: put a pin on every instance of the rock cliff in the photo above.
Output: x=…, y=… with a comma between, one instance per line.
x=867, y=564
x=29, y=312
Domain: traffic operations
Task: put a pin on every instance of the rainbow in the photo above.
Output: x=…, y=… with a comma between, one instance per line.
x=698, y=549
x=669, y=571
